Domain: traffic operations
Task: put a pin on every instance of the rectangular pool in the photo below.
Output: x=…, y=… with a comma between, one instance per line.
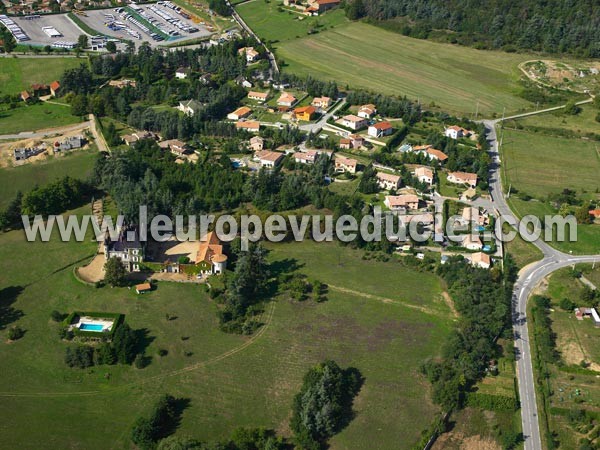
x=91, y=327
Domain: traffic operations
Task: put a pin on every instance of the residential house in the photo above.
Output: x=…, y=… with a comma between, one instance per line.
x=456, y=132
x=69, y=143
x=127, y=247
x=321, y=102
x=268, y=158
x=380, y=129
x=353, y=141
x=257, y=143
x=471, y=214
x=54, y=88
x=367, y=111
x=175, y=146
x=402, y=203
x=210, y=257
x=242, y=81
x=316, y=7
x=189, y=107
x=308, y=157
x=343, y=164
x=258, y=96
x=424, y=175
x=354, y=122
x=481, y=260
x=241, y=113
x=181, y=73
x=388, y=181
x=471, y=242
x=40, y=90
x=143, y=288
x=21, y=154
x=251, y=54
x=437, y=155
x=120, y=84
x=305, y=113
x=286, y=99
x=25, y=96
x=467, y=178
x=595, y=213
x=248, y=125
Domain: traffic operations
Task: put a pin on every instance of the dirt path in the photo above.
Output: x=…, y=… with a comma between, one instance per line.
x=378, y=298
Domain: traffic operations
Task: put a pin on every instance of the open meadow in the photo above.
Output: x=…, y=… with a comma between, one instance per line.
x=33, y=117
x=364, y=56
x=380, y=317
x=17, y=74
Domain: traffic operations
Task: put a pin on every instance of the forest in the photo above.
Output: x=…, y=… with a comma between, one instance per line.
x=553, y=26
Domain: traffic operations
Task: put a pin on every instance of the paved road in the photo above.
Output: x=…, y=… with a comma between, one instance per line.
x=317, y=126
x=528, y=279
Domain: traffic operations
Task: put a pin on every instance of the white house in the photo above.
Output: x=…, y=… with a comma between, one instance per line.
x=481, y=260
x=189, y=107
x=181, y=73
x=424, y=175
x=367, y=111
x=467, y=178
x=267, y=158
x=380, y=129
x=354, y=122
x=388, y=181
x=343, y=164
x=308, y=157
x=472, y=242
x=456, y=132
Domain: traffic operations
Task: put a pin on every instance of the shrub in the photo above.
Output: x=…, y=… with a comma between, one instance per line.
x=162, y=352
x=57, y=316
x=15, y=333
x=80, y=357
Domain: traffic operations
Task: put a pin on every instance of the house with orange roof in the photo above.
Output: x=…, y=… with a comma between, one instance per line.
x=316, y=7
x=343, y=164
x=352, y=142
x=438, y=155
x=241, y=113
x=467, y=178
x=55, y=88
x=308, y=157
x=258, y=96
x=595, y=213
x=321, y=102
x=248, y=125
x=424, y=175
x=402, y=203
x=305, y=113
x=210, y=257
x=388, y=181
x=481, y=260
x=380, y=129
x=456, y=132
x=286, y=99
x=353, y=122
x=367, y=111
x=268, y=158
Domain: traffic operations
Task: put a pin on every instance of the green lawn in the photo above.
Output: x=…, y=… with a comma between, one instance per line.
x=538, y=164
x=386, y=324
x=78, y=164
x=17, y=74
x=274, y=25
x=35, y=117
x=368, y=57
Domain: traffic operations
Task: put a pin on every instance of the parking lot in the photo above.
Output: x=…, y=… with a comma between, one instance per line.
x=153, y=23
x=60, y=22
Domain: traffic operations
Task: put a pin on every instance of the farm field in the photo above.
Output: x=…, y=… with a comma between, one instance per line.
x=368, y=57
x=580, y=124
x=34, y=117
x=229, y=380
x=572, y=387
x=23, y=178
x=538, y=164
x=17, y=74
x=272, y=22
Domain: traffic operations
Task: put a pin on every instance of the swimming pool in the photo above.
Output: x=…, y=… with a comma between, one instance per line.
x=90, y=327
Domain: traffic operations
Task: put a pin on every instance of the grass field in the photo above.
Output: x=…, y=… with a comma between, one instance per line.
x=364, y=56
x=538, y=164
x=23, y=178
x=35, y=117
x=274, y=23
x=384, y=322
x=17, y=74
x=582, y=123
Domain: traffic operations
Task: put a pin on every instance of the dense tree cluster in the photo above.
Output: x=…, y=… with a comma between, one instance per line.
x=483, y=299
x=324, y=404
x=55, y=197
x=550, y=25
x=147, y=431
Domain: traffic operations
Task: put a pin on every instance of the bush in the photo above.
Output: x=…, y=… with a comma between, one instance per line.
x=57, y=316
x=567, y=304
x=162, y=352
x=80, y=357
x=15, y=333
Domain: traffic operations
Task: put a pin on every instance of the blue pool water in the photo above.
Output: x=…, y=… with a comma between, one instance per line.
x=480, y=228
x=90, y=327
x=486, y=248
